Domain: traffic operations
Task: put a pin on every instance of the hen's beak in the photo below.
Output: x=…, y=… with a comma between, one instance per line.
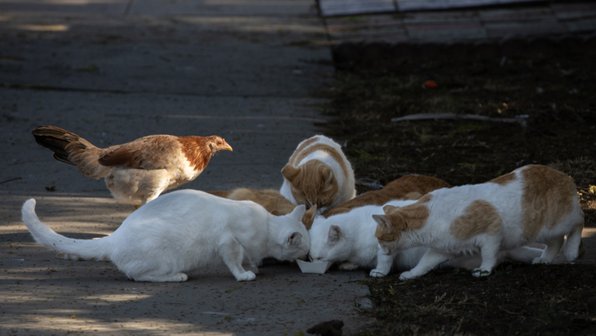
x=226, y=146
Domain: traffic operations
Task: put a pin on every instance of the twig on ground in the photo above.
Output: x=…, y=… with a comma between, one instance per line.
x=11, y=180
x=520, y=119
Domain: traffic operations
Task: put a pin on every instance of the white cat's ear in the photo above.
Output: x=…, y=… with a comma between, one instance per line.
x=295, y=239
x=334, y=234
x=298, y=212
x=290, y=172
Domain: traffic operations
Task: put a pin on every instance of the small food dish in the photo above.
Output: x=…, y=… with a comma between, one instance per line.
x=318, y=267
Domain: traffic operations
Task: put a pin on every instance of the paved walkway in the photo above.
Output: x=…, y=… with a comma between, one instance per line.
x=466, y=25
x=116, y=70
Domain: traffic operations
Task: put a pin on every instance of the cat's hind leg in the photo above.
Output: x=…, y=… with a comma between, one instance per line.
x=232, y=253
x=572, y=244
x=523, y=254
x=429, y=260
x=250, y=265
x=553, y=247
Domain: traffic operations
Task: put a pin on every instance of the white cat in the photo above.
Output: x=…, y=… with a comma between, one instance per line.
x=184, y=231
x=531, y=204
x=318, y=173
x=349, y=239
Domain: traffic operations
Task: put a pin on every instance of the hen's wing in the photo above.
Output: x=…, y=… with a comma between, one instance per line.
x=149, y=152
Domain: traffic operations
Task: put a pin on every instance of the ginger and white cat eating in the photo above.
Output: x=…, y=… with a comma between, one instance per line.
x=531, y=204
x=347, y=235
x=318, y=174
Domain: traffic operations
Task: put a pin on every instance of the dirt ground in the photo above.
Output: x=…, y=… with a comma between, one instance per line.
x=549, y=86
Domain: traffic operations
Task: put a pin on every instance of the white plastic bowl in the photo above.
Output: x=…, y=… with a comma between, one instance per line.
x=318, y=267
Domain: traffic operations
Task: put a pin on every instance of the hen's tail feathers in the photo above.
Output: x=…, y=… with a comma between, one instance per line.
x=82, y=248
x=70, y=148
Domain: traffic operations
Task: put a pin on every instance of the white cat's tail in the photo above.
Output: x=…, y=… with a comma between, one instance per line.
x=81, y=248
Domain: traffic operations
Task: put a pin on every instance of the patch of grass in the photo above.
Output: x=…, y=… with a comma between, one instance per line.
x=550, y=81
x=516, y=300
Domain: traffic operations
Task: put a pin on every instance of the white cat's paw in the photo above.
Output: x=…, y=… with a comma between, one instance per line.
x=407, y=276
x=246, y=276
x=480, y=273
x=375, y=273
x=347, y=266
x=181, y=277
x=540, y=260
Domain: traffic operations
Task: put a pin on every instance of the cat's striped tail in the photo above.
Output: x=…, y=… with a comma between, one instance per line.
x=79, y=248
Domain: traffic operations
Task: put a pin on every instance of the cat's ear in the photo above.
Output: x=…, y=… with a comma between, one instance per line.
x=295, y=239
x=309, y=216
x=382, y=221
x=334, y=234
x=388, y=208
x=327, y=174
x=298, y=212
x=290, y=172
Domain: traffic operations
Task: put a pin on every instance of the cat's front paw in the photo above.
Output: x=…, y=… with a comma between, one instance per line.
x=407, y=276
x=375, y=273
x=246, y=276
x=480, y=273
x=347, y=266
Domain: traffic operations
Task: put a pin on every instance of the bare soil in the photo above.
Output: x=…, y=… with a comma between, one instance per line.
x=548, y=83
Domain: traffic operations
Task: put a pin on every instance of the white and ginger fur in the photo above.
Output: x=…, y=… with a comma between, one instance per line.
x=348, y=239
x=531, y=204
x=269, y=199
x=184, y=231
x=318, y=174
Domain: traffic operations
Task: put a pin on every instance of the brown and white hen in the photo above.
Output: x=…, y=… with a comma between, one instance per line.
x=135, y=172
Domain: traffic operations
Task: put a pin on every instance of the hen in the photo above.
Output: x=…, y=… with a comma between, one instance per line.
x=135, y=172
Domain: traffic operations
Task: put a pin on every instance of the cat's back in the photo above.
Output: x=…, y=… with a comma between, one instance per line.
x=456, y=197
x=533, y=196
x=191, y=207
x=318, y=147
x=359, y=220
x=350, y=220
x=270, y=199
x=413, y=186
x=408, y=187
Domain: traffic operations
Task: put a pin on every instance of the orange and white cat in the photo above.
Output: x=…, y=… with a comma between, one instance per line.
x=318, y=173
x=531, y=204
